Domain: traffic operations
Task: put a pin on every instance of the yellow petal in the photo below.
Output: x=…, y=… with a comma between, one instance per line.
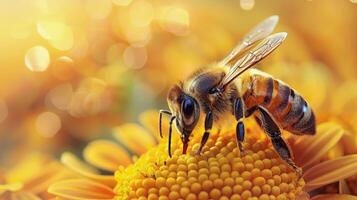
x=71, y=160
x=303, y=196
x=73, y=163
x=106, y=155
x=58, y=198
x=10, y=187
x=52, y=172
x=33, y=163
x=24, y=196
x=349, y=142
x=134, y=137
x=330, y=171
x=343, y=187
x=334, y=197
x=336, y=151
x=310, y=149
x=81, y=189
x=150, y=120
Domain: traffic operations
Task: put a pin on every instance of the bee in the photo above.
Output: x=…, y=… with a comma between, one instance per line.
x=232, y=86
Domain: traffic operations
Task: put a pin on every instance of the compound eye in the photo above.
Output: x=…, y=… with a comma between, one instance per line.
x=188, y=110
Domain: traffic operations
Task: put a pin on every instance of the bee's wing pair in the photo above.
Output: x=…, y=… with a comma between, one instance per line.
x=266, y=45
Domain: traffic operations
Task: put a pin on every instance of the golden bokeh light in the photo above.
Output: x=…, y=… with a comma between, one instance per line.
x=37, y=59
x=135, y=57
x=80, y=46
x=63, y=68
x=175, y=20
x=59, y=35
x=136, y=31
x=98, y=9
x=90, y=98
x=65, y=41
x=61, y=96
x=50, y=29
x=48, y=124
x=138, y=36
x=141, y=13
x=247, y=4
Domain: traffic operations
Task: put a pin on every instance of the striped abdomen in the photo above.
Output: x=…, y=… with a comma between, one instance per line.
x=287, y=107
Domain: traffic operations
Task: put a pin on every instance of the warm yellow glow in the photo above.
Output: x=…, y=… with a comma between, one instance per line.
x=48, y=124
x=122, y=2
x=3, y=110
x=134, y=26
x=37, y=58
x=247, y=4
x=98, y=9
x=50, y=29
x=20, y=30
x=81, y=45
x=90, y=98
x=115, y=53
x=61, y=95
x=63, y=68
x=137, y=36
x=135, y=57
x=59, y=35
x=41, y=5
x=141, y=13
x=175, y=20
x=353, y=1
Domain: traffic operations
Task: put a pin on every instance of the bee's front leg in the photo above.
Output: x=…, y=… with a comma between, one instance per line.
x=273, y=131
x=160, y=119
x=170, y=135
x=208, y=127
x=238, y=111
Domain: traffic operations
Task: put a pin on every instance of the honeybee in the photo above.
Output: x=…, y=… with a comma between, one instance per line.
x=231, y=86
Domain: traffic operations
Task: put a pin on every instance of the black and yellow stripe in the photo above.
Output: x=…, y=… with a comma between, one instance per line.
x=288, y=108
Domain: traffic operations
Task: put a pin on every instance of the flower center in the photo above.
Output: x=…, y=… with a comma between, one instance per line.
x=219, y=173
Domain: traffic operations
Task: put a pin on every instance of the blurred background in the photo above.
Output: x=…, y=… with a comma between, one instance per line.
x=71, y=70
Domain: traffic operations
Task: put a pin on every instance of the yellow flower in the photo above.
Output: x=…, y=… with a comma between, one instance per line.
x=219, y=173
x=29, y=179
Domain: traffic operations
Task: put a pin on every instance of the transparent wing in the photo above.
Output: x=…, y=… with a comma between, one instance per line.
x=264, y=48
x=262, y=30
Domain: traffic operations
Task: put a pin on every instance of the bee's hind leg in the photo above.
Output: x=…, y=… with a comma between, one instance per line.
x=273, y=131
x=208, y=127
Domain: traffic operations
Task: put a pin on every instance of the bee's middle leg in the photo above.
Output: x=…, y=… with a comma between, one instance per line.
x=238, y=111
x=208, y=127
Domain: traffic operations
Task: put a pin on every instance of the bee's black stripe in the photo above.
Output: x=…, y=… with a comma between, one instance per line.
x=300, y=115
x=284, y=92
x=309, y=124
x=269, y=92
x=296, y=109
x=306, y=123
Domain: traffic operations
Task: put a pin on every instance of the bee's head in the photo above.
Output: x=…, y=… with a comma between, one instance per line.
x=187, y=112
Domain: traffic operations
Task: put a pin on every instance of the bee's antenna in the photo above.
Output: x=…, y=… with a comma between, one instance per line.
x=160, y=119
x=170, y=133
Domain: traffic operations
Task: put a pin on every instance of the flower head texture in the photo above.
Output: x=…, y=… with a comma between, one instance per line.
x=140, y=168
x=219, y=173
